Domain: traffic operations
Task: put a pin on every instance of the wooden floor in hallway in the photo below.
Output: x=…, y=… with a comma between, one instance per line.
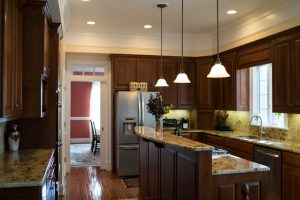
x=91, y=183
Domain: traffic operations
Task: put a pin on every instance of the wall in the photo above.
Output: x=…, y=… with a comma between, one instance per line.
x=240, y=120
x=2, y=138
x=80, y=107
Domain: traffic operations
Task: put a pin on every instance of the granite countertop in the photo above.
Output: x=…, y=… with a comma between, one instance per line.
x=229, y=164
x=171, y=139
x=24, y=168
x=286, y=145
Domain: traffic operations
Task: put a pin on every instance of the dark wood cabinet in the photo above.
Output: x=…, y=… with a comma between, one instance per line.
x=296, y=43
x=239, y=148
x=186, y=91
x=204, y=98
x=170, y=70
x=36, y=59
x=147, y=71
x=143, y=167
x=11, y=58
x=206, y=119
x=243, y=89
x=290, y=176
x=124, y=71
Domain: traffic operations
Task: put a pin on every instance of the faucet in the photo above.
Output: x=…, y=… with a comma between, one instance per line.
x=260, y=132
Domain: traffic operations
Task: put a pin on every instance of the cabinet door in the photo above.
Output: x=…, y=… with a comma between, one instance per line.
x=282, y=82
x=12, y=59
x=186, y=91
x=147, y=71
x=204, y=84
x=242, y=89
x=297, y=73
x=124, y=72
x=169, y=94
x=228, y=84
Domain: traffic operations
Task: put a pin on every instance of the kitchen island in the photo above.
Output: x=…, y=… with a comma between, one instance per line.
x=173, y=167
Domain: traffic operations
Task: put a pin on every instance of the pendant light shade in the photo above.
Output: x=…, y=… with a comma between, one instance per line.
x=161, y=82
x=218, y=70
x=182, y=76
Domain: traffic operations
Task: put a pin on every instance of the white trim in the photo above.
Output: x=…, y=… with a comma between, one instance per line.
x=80, y=140
x=106, y=138
x=80, y=118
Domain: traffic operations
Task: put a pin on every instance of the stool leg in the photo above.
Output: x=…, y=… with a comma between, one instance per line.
x=95, y=147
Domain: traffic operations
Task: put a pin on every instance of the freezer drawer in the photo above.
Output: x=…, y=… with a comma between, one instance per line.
x=128, y=161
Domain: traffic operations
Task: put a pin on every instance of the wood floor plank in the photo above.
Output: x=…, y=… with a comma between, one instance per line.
x=91, y=183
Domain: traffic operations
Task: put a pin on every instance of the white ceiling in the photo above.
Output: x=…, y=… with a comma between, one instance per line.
x=129, y=16
x=119, y=23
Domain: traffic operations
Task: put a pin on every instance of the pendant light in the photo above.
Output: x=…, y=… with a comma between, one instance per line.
x=161, y=82
x=218, y=70
x=182, y=77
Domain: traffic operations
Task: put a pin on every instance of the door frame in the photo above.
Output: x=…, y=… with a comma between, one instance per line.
x=106, y=133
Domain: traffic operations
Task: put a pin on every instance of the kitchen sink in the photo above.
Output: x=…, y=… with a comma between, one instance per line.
x=250, y=137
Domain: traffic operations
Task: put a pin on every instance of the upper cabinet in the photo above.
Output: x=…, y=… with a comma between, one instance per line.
x=36, y=58
x=186, y=91
x=204, y=99
x=147, y=71
x=286, y=73
x=11, y=58
x=170, y=70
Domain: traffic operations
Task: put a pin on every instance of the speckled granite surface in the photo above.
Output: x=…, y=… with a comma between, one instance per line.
x=24, y=168
x=170, y=139
x=229, y=164
x=286, y=145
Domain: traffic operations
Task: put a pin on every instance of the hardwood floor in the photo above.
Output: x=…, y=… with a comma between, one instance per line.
x=91, y=183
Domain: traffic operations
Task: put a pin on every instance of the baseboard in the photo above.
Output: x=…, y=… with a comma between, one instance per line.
x=106, y=165
x=80, y=140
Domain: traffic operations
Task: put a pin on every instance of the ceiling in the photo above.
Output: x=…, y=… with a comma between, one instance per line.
x=129, y=16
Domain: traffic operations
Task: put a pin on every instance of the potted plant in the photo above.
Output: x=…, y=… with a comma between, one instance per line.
x=155, y=107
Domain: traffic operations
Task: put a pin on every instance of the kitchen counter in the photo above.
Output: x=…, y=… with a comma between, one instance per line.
x=24, y=168
x=285, y=145
x=229, y=164
x=171, y=139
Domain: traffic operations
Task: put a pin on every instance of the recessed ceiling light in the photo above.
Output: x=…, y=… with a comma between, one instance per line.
x=91, y=22
x=231, y=12
x=85, y=0
x=147, y=26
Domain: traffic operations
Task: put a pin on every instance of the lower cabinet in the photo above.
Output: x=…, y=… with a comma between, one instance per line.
x=290, y=176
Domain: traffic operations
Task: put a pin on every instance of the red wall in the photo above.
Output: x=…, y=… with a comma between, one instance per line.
x=80, y=107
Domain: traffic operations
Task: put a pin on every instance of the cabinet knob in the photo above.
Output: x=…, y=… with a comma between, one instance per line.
x=17, y=105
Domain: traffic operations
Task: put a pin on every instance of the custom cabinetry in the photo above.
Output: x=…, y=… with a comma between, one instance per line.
x=36, y=58
x=11, y=16
x=186, y=91
x=290, y=176
x=147, y=71
x=286, y=73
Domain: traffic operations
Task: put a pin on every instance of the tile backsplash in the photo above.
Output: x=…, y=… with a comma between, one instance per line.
x=178, y=114
x=2, y=138
x=239, y=121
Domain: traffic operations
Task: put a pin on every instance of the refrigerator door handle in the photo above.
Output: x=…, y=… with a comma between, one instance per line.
x=129, y=147
x=142, y=109
x=139, y=123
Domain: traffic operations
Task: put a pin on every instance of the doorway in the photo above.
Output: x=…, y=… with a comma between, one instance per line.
x=85, y=123
x=94, y=77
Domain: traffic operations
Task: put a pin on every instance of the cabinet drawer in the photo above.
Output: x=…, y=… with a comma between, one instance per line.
x=215, y=140
x=291, y=159
x=239, y=146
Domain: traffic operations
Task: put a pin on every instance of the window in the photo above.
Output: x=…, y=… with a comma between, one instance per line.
x=88, y=71
x=261, y=97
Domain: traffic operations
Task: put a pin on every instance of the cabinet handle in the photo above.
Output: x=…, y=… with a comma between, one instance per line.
x=268, y=154
x=17, y=105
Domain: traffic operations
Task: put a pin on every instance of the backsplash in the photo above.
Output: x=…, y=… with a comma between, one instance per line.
x=239, y=121
x=2, y=138
x=178, y=114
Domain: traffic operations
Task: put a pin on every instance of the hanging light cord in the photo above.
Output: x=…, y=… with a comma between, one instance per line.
x=161, y=42
x=218, y=56
x=181, y=36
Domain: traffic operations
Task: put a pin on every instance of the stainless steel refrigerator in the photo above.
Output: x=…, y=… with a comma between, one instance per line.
x=131, y=111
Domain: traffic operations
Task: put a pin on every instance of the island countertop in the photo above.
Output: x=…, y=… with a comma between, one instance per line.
x=229, y=164
x=171, y=139
x=24, y=168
